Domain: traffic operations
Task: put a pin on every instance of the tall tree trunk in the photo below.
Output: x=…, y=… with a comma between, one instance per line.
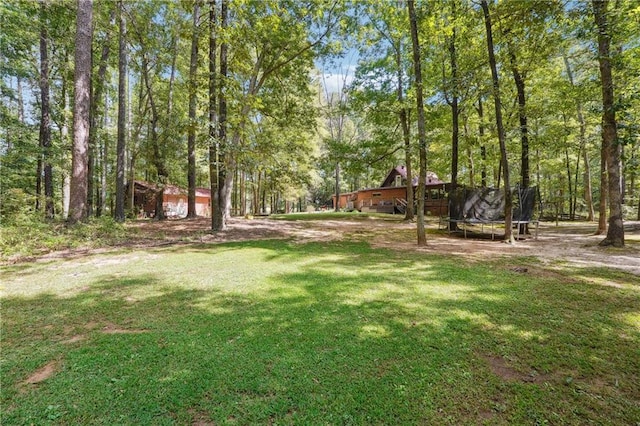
x=575, y=185
x=508, y=208
x=455, y=113
x=422, y=133
x=213, y=117
x=615, y=233
x=102, y=160
x=45, y=122
x=220, y=213
x=191, y=137
x=158, y=160
x=519, y=80
x=172, y=74
x=588, y=192
x=97, y=86
x=82, y=101
x=64, y=136
x=122, y=115
x=406, y=136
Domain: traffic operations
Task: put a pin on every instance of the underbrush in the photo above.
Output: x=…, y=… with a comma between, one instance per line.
x=32, y=235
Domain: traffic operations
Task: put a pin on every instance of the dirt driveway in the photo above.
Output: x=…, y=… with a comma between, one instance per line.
x=569, y=243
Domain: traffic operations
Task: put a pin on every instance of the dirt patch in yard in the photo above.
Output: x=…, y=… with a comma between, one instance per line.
x=567, y=244
x=504, y=371
x=42, y=374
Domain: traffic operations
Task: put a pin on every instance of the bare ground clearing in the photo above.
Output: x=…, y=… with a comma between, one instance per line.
x=571, y=244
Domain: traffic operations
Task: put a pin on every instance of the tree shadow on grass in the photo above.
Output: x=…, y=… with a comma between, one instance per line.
x=336, y=333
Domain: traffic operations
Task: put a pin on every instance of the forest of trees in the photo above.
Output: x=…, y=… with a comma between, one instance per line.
x=232, y=95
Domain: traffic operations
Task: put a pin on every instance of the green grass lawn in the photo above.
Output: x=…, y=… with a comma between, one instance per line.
x=271, y=332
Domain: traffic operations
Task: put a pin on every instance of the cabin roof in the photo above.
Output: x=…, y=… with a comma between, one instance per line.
x=432, y=178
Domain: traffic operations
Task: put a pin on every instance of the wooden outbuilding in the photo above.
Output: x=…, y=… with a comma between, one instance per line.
x=391, y=196
x=174, y=200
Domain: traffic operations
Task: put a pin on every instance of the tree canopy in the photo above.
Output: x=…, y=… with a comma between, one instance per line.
x=286, y=138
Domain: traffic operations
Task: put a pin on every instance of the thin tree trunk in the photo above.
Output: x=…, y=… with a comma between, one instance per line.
x=508, y=209
x=20, y=99
x=406, y=137
x=519, y=80
x=602, y=205
x=243, y=196
x=588, y=197
x=483, y=148
x=574, y=199
x=44, y=165
x=337, y=187
x=101, y=190
x=191, y=137
x=422, y=134
x=570, y=183
x=472, y=166
x=97, y=87
x=172, y=74
x=122, y=115
x=611, y=146
x=82, y=103
x=157, y=161
x=455, y=115
x=64, y=137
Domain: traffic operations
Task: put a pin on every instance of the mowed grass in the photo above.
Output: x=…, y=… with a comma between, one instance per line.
x=272, y=332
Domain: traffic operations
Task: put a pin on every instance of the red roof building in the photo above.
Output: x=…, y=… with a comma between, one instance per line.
x=174, y=200
x=391, y=196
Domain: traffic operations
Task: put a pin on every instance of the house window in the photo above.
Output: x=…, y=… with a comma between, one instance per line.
x=398, y=180
x=376, y=194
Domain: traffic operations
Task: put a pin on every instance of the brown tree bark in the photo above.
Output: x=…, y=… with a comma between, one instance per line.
x=602, y=205
x=122, y=115
x=455, y=113
x=422, y=134
x=82, y=103
x=403, y=116
x=157, y=158
x=508, y=208
x=191, y=137
x=615, y=233
x=44, y=161
x=519, y=80
x=222, y=175
x=213, y=115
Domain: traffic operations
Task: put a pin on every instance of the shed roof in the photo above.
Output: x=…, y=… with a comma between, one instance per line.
x=170, y=189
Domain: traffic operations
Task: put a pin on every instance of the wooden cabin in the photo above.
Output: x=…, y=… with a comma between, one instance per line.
x=391, y=196
x=174, y=200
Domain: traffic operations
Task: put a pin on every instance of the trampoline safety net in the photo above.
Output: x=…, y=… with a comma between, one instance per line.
x=487, y=204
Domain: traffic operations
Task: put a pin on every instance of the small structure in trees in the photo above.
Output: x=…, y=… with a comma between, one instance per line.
x=391, y=195
x=174, y=200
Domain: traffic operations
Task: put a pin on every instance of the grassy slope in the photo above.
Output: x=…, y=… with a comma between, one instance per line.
x=335, y=333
